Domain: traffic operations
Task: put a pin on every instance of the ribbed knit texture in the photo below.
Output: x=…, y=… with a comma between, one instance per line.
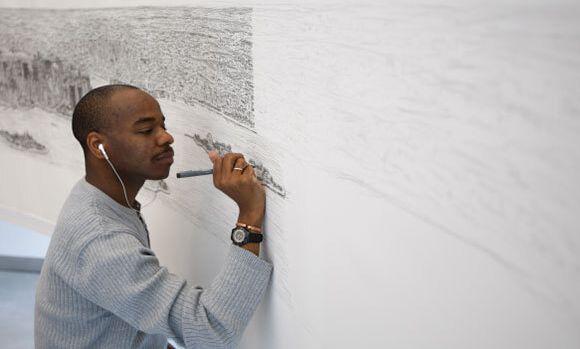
x=101, y=286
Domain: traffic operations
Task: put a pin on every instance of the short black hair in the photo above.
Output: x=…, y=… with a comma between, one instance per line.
x=93, y=112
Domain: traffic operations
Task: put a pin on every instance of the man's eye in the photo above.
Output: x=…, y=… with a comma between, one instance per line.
x=146, y=131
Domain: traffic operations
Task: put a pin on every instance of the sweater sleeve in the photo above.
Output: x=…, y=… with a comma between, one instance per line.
x=116, y=272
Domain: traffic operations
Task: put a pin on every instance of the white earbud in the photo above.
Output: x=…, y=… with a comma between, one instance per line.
x=102, y=149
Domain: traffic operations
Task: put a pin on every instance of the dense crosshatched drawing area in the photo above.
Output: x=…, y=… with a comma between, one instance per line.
x=200, y=56
x=35, y=81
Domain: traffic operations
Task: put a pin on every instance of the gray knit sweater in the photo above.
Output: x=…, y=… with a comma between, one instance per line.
x=101, y=286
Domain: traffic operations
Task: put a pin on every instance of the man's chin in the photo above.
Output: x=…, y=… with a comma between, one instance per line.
x=158, y=176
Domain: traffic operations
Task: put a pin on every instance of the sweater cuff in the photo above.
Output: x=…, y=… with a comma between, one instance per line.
x=238, y=254
x=237, y=290
x=229, y=303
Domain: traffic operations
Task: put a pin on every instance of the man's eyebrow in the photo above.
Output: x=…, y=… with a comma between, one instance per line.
x=146, y=119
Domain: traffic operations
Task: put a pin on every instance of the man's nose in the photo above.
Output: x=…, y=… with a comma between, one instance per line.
x=165, y=138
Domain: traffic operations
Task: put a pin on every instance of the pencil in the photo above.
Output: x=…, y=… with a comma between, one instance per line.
x=191, y=173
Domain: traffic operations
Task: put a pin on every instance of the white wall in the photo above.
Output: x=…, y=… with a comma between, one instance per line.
x=430, y=153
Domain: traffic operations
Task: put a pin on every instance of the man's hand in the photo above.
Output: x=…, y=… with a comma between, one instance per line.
x=236, y=178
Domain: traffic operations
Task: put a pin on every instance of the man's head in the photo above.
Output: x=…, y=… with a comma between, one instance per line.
x=129, y=124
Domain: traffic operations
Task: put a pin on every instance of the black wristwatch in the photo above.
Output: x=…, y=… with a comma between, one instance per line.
x=242, y=236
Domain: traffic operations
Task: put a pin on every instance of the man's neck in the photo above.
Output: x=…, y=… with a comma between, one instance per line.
x=111, y=186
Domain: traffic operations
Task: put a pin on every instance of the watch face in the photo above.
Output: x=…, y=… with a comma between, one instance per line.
x=239, y=235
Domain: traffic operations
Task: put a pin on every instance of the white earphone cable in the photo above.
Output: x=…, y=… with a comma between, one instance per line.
x=120, y=180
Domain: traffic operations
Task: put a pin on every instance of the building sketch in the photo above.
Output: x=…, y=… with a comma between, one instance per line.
x=263, y=174
x=198, y=56
x=209, y=144
x=36, y=81
x=23, y=141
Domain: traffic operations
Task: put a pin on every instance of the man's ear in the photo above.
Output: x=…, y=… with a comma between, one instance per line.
x=93, y=140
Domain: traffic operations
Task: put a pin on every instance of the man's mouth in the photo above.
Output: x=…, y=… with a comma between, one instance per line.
x=165, y=156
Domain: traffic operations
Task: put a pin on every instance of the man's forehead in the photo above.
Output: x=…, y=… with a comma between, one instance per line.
x=132, y=104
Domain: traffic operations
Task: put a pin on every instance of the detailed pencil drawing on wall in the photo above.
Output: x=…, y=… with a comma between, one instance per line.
x=195, y=55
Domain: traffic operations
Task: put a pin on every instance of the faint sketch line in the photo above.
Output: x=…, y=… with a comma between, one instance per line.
x=463, y=239
x=261, y=171
x=525, y=280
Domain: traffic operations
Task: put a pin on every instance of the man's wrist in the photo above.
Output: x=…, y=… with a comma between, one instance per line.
x=256, y=229
x=252, y=220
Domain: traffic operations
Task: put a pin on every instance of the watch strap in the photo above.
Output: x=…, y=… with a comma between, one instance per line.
x=253, y=237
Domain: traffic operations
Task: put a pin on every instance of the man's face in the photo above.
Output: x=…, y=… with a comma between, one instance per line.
x=138, y=141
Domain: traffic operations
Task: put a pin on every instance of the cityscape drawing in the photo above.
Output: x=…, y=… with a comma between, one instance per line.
x=199, y=56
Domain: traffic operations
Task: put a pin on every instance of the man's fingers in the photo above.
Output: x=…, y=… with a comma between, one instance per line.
x=228, y=164
x=217, y=168
x=227, y=169
x=249, y=171
x=213, y=155
x=230, y=159
x=239, y=166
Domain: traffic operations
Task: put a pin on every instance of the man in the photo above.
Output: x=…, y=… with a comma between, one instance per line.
x=101, y=285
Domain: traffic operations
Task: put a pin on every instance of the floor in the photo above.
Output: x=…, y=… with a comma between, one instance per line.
x=17, y=308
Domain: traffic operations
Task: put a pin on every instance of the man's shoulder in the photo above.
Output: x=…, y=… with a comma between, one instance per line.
x=85, y=216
